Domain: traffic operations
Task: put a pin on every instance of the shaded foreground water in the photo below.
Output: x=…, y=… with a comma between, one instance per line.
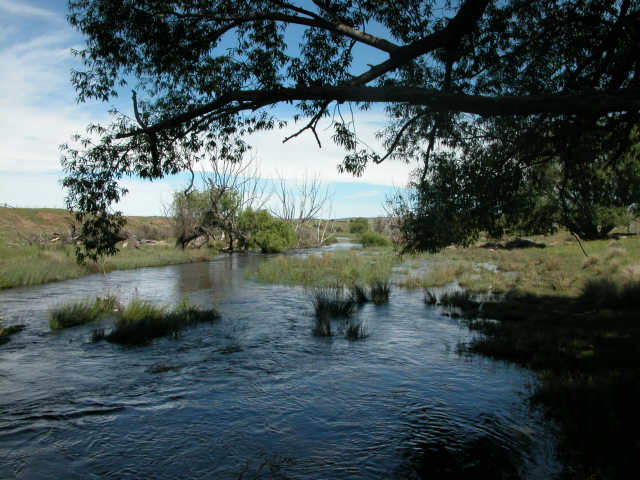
x=256, y=395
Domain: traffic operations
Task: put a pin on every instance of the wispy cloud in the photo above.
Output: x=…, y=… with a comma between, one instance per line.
x=23, y=9
x=38, y=106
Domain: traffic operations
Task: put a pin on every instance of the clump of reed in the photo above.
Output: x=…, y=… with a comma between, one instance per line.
x=322, y=327
x=329, y=269
x=462, y=299
x=355, y=330
x=429, y=297
x=142, y=321
x=379, y=291
x=331, y=302
x=7, y=331
x=359, y=294
x=373, y=239
x=80, y=312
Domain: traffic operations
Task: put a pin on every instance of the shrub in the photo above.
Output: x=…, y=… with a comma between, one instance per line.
x=261, y=230
x=372, y=239
x=276, y=237
x=359, y=225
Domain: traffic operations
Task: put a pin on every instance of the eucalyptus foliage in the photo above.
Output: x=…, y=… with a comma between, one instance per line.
x=534, y=77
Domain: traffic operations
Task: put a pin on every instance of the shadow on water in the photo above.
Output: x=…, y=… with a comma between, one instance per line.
x=256, y=394
x=587, y=351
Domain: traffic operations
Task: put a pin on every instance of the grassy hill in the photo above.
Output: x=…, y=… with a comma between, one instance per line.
x=20, y=224
x=32, y=249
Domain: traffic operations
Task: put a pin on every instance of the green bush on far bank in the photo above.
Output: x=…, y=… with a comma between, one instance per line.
x=372, y=239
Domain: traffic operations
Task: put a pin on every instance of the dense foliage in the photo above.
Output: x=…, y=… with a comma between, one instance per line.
x=260, y=230
x=210, y=215
x=491, y=192
x=535, y=80
x=359, y=225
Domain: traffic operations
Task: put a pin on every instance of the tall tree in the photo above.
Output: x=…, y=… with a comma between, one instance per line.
x=452, y=76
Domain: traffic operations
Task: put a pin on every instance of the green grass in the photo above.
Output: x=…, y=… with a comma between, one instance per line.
x=329, y=269
x=32, y=250
x=379, y=291
x=34, y=265
x=372, y=239
x=80, y=312
x=330, y=302
x=142, y=321
x=561, y=269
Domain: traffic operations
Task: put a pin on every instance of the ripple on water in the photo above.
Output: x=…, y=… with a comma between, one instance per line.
x=256, y=394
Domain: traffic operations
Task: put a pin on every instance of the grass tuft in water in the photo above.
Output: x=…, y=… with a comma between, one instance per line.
x=462, y=299
x=80, y=312
x=322, y=327
x=329, y=302
x=359, y=294
x=429, y=298
x=142, y=321
x=355, y=330
x=379, y=291
x=7, y=331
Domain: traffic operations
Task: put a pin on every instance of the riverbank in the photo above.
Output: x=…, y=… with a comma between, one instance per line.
x=33, y=249
x=33, y=265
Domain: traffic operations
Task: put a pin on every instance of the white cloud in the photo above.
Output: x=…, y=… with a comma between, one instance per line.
x=38, y=108
x=303, y=154
x=22, y=9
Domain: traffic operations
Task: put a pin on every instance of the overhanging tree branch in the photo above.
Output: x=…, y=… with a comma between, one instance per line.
x=592, y=102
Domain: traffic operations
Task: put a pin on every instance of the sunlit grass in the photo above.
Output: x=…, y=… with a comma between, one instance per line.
x=80, y=312
x=329, y=269
x=34, y=265
x=142, y=321
x=561, y=269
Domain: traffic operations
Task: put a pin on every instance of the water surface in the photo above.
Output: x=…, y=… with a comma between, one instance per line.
x=256, y=395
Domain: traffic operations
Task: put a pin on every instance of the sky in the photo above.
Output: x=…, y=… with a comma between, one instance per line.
x=39, y=112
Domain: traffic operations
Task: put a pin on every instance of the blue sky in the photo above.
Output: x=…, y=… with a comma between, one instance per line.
x=38, y=112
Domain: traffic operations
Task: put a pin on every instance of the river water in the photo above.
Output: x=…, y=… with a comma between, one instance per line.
x=255, y=394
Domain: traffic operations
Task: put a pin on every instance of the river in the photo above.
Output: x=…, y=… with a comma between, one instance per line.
x=255, y=394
